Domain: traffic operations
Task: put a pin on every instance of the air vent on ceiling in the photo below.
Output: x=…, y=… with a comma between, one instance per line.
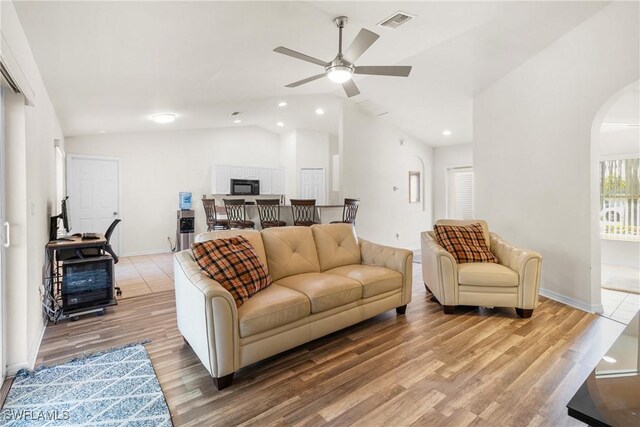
x=395, y=20
x=372, y=107
x=236, y=113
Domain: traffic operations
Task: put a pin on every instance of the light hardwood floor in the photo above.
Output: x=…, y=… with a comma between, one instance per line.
x=476, y=367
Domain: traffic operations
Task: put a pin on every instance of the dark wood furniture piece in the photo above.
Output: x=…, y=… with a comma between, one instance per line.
x=304, y=212
x=349, y=211
x=237, y=213
x=211, y=214
x=58, y=251
x=610, y=396
x=269, y=213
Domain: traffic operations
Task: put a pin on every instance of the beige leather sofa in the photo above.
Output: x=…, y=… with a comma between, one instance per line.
x=324, y=279
x=514, y=282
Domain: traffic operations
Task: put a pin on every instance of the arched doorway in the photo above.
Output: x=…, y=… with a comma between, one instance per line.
x=616, y=204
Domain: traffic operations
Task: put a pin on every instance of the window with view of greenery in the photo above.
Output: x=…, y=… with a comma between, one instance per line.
x=620, y=199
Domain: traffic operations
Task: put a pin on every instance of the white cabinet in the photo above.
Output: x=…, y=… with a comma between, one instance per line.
x=277, y=181
x=221, y=179
x=251, y=173
x=265, y=177
x=238, y=172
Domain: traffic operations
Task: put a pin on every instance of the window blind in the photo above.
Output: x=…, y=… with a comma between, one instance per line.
x=620, y=199
x=460, y=203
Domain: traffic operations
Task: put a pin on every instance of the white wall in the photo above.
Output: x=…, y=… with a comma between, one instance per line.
x=445, y=158
x=31, y=199
x=533, y=164
x=288, y=159
x=158, y=165
x=622, y=253
x=373, y=163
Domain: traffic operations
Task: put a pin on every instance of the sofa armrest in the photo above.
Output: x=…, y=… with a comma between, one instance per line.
x=400, y=260
x=207, y=317
x=526, y=263
x=439, y=270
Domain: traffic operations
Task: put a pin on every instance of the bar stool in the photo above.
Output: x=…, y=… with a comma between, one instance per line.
x=269, y=212
x=211, y=213
x=237, y=213
x=349, y=212
x=304, y=212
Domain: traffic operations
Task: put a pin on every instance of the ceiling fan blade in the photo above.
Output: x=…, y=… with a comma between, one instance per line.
x=361, y=43
x=384, y=70
x=350, y=88
x=307, y=80
x=285, y=51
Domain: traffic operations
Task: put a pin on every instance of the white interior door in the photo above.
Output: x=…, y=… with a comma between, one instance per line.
x=93, y=187
x=312, y=185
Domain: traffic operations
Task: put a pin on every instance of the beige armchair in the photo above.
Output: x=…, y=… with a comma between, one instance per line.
x=514, y=282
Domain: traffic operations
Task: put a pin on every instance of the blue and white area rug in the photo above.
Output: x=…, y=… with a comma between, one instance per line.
x=117, y=387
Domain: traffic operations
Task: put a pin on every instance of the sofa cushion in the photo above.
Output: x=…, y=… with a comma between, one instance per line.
x=253, y=236
x=271, y=308
x=336, y=244
x=290, y=250
x=324, y=291
x=465, y=242
x=486, y=274
x=234, y=264
x=374, y=280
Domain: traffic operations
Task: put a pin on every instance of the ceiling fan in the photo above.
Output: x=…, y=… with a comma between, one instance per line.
x=341, y=69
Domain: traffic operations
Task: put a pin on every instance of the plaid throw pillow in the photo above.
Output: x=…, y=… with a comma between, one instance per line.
x=465, y=242
x=234, y=264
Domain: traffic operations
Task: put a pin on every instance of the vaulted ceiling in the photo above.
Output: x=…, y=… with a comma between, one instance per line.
x=109, y=65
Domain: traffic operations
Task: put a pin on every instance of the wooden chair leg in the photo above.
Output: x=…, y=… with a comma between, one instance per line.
x=402, y=309
x=525, y=313
x=449, y=309
x=223, y=382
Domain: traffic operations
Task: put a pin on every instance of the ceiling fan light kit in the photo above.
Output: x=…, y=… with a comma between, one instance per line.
x=339, y=73
x=342, y=68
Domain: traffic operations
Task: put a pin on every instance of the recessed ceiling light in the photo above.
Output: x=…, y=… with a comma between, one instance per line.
x=102, y=131
x=163, y=117
x=282, y=104
x=609, y=359
x=237, y=121
x=446, y=132
x=280, y=124
x=319, y=111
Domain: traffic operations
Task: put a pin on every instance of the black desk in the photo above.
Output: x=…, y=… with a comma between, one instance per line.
x=52, y=302
x=610, y=396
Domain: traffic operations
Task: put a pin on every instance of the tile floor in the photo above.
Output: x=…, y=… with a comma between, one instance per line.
x=145, y=274
x=620, y=306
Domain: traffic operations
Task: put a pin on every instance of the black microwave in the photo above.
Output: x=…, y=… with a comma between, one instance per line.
x=245, y=187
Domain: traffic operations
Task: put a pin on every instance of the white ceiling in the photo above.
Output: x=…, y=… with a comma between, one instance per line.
x=110, y=65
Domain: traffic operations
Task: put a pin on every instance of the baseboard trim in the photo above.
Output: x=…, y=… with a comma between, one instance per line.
x=580, y=305
x=32, y=355
x=149, y=252
x=35, y=347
